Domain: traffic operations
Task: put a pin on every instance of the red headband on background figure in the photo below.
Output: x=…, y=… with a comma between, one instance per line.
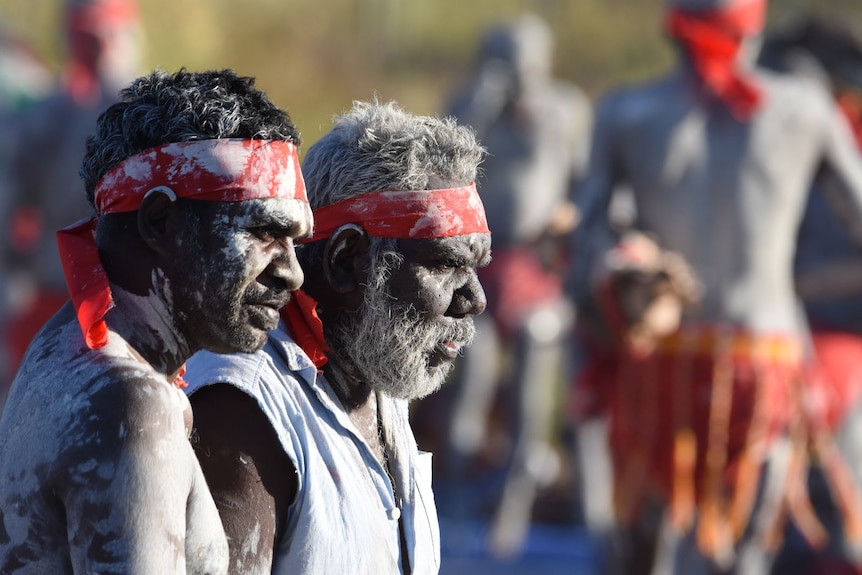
x=712, y=39
x=85, y=19
x=102, y=14
x=418, y=214
x=225, y=170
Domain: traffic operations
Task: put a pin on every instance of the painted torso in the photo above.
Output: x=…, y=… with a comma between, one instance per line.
x=98, y=473
x=726, y=195
x=534, y=156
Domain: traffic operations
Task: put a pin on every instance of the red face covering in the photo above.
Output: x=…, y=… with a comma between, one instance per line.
x=226, y=170
x=86, y=26
x=389, y=214
x=712, y=40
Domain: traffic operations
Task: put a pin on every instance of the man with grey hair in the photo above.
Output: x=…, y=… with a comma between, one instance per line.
x=710, y=423
x=306, y=445
x=195, y=181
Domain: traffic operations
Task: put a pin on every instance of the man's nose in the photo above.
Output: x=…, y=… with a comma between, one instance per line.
x=470, y=297
x=285, y=269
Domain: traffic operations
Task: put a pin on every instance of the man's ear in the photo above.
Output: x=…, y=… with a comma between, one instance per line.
x=347, y=260
x=154, y=216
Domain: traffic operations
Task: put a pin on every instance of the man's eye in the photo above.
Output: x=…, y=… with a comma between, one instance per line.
x=265, y=234
x=450, y=264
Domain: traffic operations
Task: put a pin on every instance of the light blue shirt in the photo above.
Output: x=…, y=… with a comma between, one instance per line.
x=345, y=518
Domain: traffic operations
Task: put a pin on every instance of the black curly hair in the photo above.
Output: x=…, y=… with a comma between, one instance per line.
x=164, y=107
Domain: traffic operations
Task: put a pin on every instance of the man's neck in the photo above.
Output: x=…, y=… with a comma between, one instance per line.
x=360, y=401
x=147, y=324
x=352, y=392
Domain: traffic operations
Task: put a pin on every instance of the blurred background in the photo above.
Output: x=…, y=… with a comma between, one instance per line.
x=314, y=57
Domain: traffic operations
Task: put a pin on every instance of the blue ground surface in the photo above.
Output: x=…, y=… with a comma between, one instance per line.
x=549, y=550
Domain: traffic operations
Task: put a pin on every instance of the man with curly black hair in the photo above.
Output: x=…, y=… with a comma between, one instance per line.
x=198, y=195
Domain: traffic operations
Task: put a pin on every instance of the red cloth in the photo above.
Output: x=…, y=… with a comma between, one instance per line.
x=304, y=325
x=25, y=229
x=851, y=107
x=834, y=378
x=823, y=565
x=83, y=21
x=593, y=387
x=224, y=170
x=22, y=327
x=649, y=399
x=712, y=40
x=95, y=15
x=218, y=170
x=515, y=282
x=406, y=214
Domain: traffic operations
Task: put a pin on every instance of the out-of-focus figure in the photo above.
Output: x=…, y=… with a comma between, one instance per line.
x=828, y=270
x=536, y=129
x=24, y=79
x=24, y=76
x=700, y=370
x=103, y=41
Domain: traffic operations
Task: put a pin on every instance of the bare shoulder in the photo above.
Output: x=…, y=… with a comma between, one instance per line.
x=72, y=410
x=796, y=93
x=229, y=426
x=634, y=104
x=237, y=444
x=572, y=95
x=251, y=477
x=125, y=413
x=572, y=105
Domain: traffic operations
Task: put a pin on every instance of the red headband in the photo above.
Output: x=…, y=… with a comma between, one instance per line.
x=90, y=15
x=226, y=170
x=712, y=39
x=406, y=214
x=216, y=170
x=412, y=214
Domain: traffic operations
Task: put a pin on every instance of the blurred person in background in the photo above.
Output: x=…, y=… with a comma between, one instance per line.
x=307, y=445
x=198, y=195
x=24, y=80
x=103, y=42
x=698, y=360
x=828, y=269
x=24, y=76
x=536, y=129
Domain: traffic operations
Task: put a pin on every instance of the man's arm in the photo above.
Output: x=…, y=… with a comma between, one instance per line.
x=593, y=198
x=127, y=485
x=251, y=478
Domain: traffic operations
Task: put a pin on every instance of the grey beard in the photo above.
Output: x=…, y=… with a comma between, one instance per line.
x=389, y=347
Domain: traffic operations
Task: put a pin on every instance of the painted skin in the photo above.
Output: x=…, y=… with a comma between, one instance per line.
x=438, y=281
x=241, y=455
x=728, y=197
x=97, y=471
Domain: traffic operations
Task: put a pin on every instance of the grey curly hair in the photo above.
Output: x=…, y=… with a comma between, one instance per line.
x=379, y=146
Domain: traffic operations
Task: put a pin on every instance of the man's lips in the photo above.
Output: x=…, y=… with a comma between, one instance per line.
x=450, y=349
x=270, y=308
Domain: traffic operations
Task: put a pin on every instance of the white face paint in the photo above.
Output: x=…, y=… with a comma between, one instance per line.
x=415, y=323
x=236, y=269
x=392, y=346
x=148, y=322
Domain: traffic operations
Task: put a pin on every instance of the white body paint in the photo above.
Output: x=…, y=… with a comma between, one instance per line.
x=97, y=471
